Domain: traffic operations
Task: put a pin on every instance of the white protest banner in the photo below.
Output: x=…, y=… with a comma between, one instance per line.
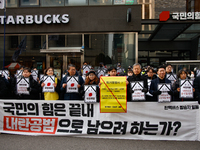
x=22, y=85
x=34, y=74
x=5, y=73
x=90, y=93
x=86, y=69
x=164, y=96
x=143, y=120
x=172, y=77
x=48, y=81
x=72, y=84
x=137, y=87
x=186, y=89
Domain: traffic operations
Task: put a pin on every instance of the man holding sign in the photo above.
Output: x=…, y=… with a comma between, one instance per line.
x=160, y=80
x=137, y=89
x=71, y=84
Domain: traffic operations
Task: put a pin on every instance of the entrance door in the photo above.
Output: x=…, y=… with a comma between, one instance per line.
x=75, y=61
x=56, y=61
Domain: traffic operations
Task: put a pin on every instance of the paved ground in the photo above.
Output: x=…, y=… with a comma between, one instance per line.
x=19, y=142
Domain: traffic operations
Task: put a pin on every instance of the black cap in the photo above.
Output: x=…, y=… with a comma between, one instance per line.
x=91, y=71
x=129, y=67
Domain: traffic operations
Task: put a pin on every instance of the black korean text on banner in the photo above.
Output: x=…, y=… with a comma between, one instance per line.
x=34, y=74
x=75, y=118
x=172, y=77
x=72, y=84
x=186, y=89
x=90, y=93
x=48, y=81
x=41, y=77
x=101, y=72
x=5, y=73
x=137, y=87
x=86, y=69
x=164, y=96
x=22, y=85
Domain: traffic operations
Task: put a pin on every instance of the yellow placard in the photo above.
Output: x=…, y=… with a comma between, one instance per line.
x=113, y=95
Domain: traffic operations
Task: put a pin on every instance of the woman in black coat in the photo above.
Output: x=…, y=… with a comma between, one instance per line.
x=182, y=75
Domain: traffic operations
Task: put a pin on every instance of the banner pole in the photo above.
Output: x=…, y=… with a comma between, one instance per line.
x=4, y=38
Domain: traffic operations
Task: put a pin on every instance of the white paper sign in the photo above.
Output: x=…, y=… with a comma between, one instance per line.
x=90, y=94
x=72, y=84
x=101, y=73
x=186, y=89
x=86, y=69
x=34, y=74
x=22, y=85
x=164, y=96
x=5, y=73
x=137, y=87
x=172, y=77
x=41, y=77
x=49, y=81
x=19, y=73
x=119, y=70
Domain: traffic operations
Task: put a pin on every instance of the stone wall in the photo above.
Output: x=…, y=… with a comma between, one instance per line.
x=169, y=5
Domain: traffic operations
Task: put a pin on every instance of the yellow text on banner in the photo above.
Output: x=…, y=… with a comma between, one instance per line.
x=113, y=95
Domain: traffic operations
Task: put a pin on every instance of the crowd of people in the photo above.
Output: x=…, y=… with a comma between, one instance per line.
x=150, y=76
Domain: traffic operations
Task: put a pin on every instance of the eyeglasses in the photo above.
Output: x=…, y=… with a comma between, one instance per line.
x=50, y=71
x=91, y=75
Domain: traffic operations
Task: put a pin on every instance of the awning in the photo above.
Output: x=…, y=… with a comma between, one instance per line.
x=13, y=66
x=171, y=30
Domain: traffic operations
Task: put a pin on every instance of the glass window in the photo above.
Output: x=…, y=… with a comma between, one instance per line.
x=100, y=2
x=64, y=41
x=30, y=57
x=12, y=3
x=52, y=3
x=127, y=2
x=29, y=2
x=143, y=54
x=110, y=49
x=76, y=2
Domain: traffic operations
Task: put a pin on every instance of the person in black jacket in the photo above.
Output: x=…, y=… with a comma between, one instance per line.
x=33, y=87
x=154, y=83
x=182, y=75
x=4, y=87
x=136, y=77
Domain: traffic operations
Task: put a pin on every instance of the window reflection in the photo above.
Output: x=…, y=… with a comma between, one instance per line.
x=76, y=2
x=52, y=3
x=100, y=2
x=29, y=2
x=11, y=3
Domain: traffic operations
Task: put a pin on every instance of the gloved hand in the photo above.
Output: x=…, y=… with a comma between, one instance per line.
x=157, y=93
x=170, y=93
x=144, y=90
x=131, y=91
x=29, y=89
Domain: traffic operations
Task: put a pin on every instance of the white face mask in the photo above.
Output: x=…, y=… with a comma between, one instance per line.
x=192, y=76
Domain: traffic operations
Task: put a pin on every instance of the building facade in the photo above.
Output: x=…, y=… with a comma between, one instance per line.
x=60, y=32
